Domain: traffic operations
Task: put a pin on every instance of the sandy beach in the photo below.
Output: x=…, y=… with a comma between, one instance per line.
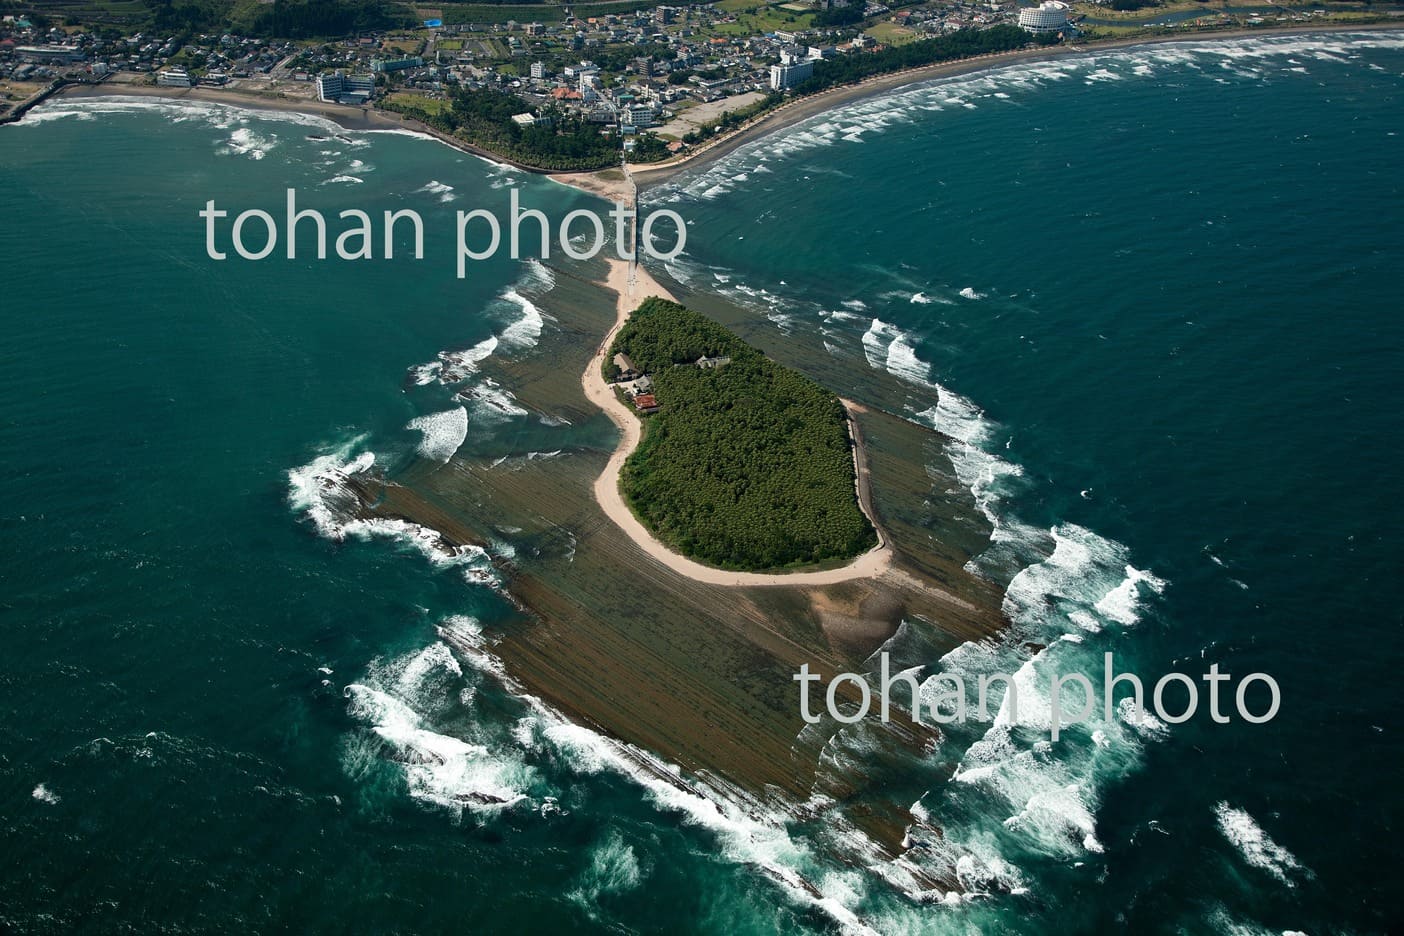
x=633, y=285
x=608, y=183
x=789, y=114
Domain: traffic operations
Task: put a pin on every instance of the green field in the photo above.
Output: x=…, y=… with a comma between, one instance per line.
x=756, y=18
x=891, y=34
x=427, y=104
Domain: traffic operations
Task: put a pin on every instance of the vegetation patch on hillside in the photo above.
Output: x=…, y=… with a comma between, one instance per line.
x=746, y=464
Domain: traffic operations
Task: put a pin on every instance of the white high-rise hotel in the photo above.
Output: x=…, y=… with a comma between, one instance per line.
x=1048, y=16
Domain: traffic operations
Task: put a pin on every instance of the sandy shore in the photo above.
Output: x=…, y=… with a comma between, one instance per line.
x=787, y=115
x=352, y=118
x=347, y=117
x=605, y=184
x=609, y=184
x=633, y=286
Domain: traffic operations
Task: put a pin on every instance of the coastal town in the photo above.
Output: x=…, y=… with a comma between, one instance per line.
x=650, y=80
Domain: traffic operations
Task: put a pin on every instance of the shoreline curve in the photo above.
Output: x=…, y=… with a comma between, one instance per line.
x=633, y=283
x=798, y=110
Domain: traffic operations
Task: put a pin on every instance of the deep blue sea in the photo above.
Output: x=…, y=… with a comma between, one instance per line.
x=1150, y=295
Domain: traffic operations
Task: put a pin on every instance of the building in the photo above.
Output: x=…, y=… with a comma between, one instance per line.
x=538, y=69
x=626, y=366
x=784, y=77
x=50, y=54
x=175, y=77
x=1048, y=17
x=341, y=88
x=712, y=363
x=646, y=403
x=640, y=115
x=399, y=64
x=636, y=386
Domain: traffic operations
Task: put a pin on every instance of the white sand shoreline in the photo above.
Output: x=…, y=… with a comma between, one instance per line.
x=633, y=284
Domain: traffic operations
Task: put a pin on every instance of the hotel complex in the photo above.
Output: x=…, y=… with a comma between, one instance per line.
x=1048, y=16
x=784, y=77
x=340, y=88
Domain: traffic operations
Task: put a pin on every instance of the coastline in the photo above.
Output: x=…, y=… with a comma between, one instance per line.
x=647, y=175
x=789, y=114
x=365, y=119
x=632, y=283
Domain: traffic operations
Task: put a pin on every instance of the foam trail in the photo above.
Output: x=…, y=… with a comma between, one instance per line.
x=747, y=834
x=1255, y=846
x=524, y=333
x=614, y=869
x=442, y=432
x=401, y=702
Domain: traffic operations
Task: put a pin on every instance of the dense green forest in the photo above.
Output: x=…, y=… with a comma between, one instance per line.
x=840, y=16
x=484, y=118
x=964, y=43
x=282, y=19
x=748, y=466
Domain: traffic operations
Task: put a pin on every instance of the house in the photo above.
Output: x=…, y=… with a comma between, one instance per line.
x=636, y=386
x=627, y=371
x=712, y=363
x=646, y=403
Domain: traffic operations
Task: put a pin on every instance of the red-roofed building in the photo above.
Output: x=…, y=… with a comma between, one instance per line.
x=646, y=403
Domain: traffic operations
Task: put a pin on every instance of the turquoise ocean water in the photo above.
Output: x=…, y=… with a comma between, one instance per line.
x=1151, y=295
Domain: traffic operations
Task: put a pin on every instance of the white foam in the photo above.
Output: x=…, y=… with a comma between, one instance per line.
x=747, y=832
x=613, y=869
x=745, y=838
x=970, y=293
x=318, y=491
x=1257, y=847
x=442, y=432
x=491, y=402
x=954, y=96
x=439, y=769
x=246, y=142
x=1121, y=604
x=454, y=366
x=43, y=794
x=957, y=417
x=889, y=348
x=525, y=332
x=316, y=488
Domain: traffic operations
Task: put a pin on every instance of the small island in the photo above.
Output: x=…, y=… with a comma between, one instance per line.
x=744, y=464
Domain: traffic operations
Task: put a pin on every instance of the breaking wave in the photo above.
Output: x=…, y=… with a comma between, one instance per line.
x=406, y=705
x=1255, y=59
x=442, y=432
x=323, y=492
x=1256, y=847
